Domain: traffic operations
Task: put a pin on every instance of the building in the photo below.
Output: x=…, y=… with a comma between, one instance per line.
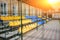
x=8, y=7
x=11, y=7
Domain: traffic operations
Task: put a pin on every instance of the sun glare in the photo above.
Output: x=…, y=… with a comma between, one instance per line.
x=52, y=1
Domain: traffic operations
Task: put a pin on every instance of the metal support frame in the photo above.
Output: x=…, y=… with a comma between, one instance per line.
x=10, y=9
x=20, y=5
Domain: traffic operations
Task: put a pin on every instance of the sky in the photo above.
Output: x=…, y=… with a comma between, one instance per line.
x=43, y=4
x=57, y=5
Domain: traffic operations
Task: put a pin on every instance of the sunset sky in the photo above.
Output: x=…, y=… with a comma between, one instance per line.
x=44, y=4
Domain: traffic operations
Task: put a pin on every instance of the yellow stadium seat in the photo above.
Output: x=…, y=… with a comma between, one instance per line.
x=12, y=17
x=40, y=16
x=4, y=18
x=24, y=30
x=26, y=21
x=14, y=23
x=11, y=23
x=23, y=17
x=27, y=28
x=43, y=18
x=19, y=30
x=47, y=20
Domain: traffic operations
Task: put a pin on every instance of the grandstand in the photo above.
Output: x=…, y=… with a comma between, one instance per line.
x=18, y=17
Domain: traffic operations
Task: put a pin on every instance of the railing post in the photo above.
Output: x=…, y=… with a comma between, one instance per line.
x=20, y=5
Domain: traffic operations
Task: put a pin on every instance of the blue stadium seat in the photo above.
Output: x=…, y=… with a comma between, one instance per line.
x=41, y=22
x=1, y=22
x=33, y=20
x=39, y=18
x=31, y=17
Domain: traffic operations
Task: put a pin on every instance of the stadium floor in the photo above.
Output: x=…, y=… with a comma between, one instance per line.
x=50, y=31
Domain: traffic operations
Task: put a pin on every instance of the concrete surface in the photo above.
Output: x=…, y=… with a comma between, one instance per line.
x=50, y=31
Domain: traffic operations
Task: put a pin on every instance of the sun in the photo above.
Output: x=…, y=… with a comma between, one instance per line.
x=52, y=1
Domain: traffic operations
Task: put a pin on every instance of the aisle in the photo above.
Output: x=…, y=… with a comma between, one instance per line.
x=51, y=32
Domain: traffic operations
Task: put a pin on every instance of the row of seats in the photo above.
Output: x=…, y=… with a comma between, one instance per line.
x=28, y=19
x=28, y=28
x=11, y=17
x=10, y=33
x=15, y=21
x=35, y=18
x=18, y=22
